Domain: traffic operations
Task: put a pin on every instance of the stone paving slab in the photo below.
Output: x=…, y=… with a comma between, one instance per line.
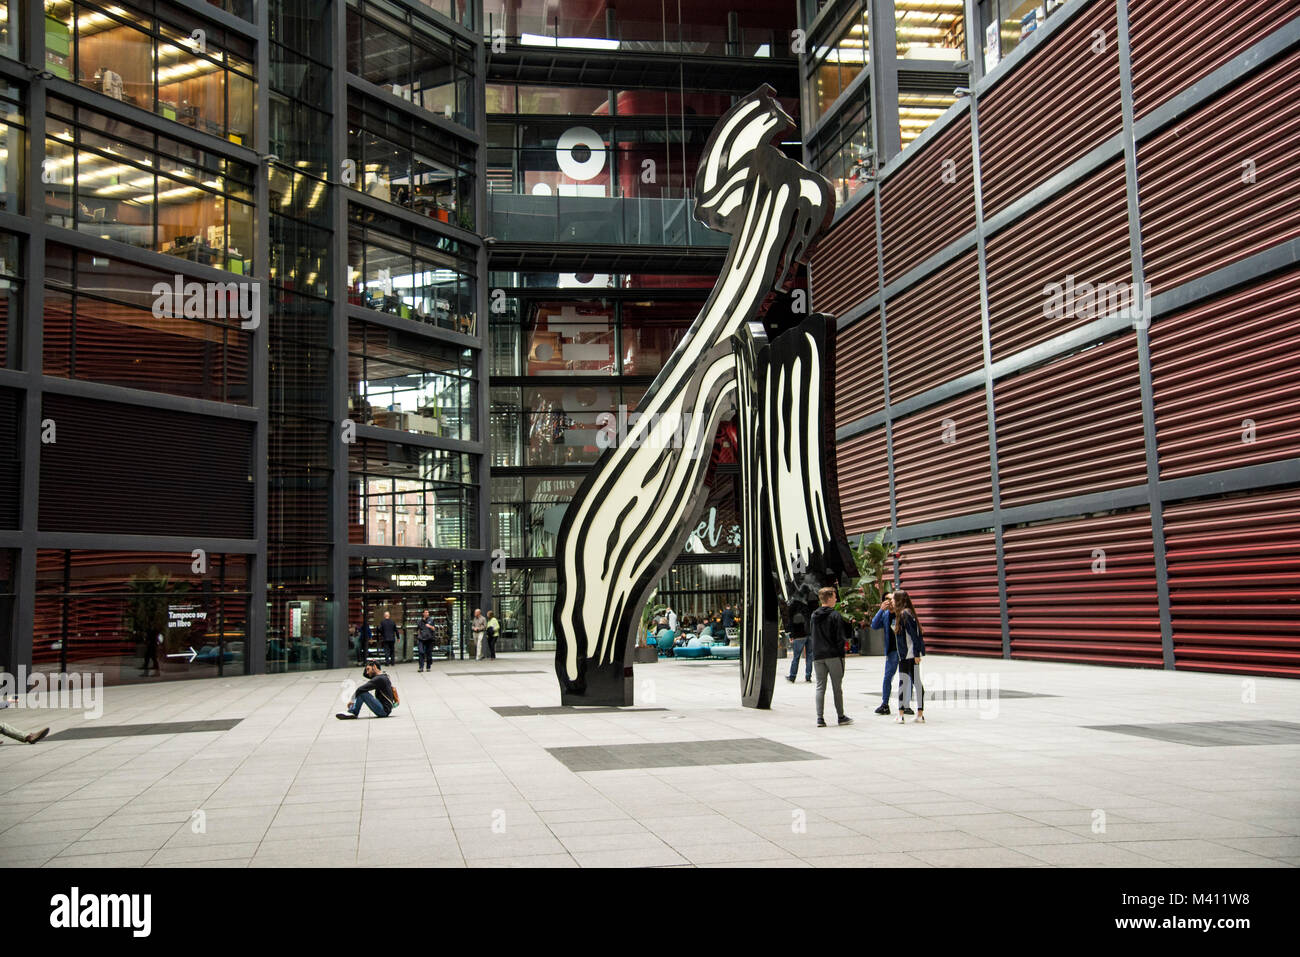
x=470, y=773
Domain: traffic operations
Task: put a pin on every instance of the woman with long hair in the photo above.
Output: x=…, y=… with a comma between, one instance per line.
x=910, y=646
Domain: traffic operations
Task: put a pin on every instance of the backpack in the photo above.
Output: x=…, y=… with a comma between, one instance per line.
x=397, y=698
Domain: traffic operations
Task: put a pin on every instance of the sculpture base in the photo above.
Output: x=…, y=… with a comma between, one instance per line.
x=608, y=686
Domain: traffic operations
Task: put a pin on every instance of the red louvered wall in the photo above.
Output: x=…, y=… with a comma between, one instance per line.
x=1224, y=361
x=929, y=202
x=1054, y=108
x=954, y=584
x=863, y=469
x=155, y=471
x=1175, y=43
x=1083, y=233
x=1060, y=610
x=935, y=329
x=1234, y=583
x=1072, y=426
x=1198, y=212
x=935, y=479
x=843, y=264
x=859, y=373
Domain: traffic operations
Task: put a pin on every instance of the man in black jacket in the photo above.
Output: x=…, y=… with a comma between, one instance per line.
x=380, y=702
x=829, y=632
x=388, y=637
x=425, y=636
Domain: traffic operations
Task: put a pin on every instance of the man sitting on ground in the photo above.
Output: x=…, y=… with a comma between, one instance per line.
x=381, y=702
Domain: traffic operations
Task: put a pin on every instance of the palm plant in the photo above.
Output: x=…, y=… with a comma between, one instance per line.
x=861, y=596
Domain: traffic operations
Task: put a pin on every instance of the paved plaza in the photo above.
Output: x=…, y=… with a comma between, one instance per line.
x=1069, y=765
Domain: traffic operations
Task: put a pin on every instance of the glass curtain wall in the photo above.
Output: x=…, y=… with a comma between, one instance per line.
x=300, y=589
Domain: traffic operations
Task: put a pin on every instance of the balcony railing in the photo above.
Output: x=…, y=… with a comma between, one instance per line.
x=600, y=220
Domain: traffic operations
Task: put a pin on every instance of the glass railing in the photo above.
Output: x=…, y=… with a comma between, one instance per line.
x=647, y=36
x=599, y=220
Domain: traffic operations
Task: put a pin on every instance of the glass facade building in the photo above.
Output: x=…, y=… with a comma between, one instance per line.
x=243, y=392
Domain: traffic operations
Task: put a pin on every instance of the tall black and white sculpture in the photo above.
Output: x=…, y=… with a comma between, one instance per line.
x=632, y=514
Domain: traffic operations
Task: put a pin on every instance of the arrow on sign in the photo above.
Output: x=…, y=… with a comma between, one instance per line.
x=192, y=655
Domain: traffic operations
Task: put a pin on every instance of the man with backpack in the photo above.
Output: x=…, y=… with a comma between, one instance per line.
x=493, y=632
x=829, y=633
x=377, y=694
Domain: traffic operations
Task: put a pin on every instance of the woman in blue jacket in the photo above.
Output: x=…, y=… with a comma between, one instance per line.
x=910, y=646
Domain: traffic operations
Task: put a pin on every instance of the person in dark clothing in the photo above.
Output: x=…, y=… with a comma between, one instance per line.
x=800, y=644
x=376, y=694
x=151, y=646
x=388, y=637
x=728, y=618
x=829, y=632
x=363, y=642
x=424, y=634
x=884, y=620
x=910, y=647
x=493, y=632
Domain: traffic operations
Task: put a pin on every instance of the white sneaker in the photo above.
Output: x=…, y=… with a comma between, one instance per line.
x=899, y=720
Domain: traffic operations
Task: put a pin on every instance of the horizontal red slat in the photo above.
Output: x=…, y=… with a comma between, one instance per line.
x=843, y=264
x=935, y=478
x=1175, y=43
x=1080, y=235
x=1236, y=607
x=935, y=329
x=859, y=373
x=1072, y=426
x=1084, y=590
x=1055, y=107
x=954, y=584
x=929, y=202
x=1202, y=211
x=1223, y=376
x=863, y=482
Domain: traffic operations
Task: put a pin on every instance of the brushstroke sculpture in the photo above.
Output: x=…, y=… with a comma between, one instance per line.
x=633, y=512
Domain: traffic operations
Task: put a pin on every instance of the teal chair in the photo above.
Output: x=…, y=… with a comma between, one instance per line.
x=664, y=642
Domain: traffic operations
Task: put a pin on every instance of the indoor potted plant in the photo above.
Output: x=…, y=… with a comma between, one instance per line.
x=860, y=597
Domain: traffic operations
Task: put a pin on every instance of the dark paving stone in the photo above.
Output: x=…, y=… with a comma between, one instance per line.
x=526, y=711
x=136, y=730
x=480, y=674
x=624, y=757
x=981, y=694
x=1211, y=734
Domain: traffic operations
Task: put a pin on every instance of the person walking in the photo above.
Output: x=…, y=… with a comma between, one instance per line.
x=910, y=646
x=377, y=694
x=478, y=626
x=151, y=648
x=800, y=643
x=672, y=618
x=425, y=636
x=493, y=632
x=829, y=631
x=884, y=620
x=388, y=637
